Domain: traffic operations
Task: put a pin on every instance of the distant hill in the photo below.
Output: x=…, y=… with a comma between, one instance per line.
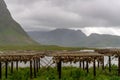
x=11, y=32
x=67, y=37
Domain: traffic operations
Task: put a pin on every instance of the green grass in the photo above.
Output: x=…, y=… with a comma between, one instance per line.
x=38, y=47
x=68, y=73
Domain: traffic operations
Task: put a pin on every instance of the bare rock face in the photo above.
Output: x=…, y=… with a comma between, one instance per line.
x=11, y=32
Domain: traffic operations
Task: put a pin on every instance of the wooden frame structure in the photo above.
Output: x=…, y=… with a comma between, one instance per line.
x=58, y=57
x=76, y=56
x=16, y=56
x=109, y=53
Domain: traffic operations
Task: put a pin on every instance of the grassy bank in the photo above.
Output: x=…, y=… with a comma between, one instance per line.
x=38, y=47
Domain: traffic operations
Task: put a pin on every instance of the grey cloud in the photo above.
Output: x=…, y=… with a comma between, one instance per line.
x=66, y=13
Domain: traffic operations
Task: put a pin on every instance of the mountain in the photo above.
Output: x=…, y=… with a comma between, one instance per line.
x=104, y=40
x=76, y=38
x=11, y=32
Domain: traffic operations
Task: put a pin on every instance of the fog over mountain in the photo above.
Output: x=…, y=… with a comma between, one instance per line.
x=98, y=16
x=68, y=37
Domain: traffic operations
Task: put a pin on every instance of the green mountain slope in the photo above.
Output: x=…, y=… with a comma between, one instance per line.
x=11, y=32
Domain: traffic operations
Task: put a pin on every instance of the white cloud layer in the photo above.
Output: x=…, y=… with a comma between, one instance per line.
x=101, y=30
x=49, y=14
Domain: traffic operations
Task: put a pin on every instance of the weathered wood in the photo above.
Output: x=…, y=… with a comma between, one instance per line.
x=6, y=69
x=59, y=64
x=108, y=52
x=109, y=63
x=119, y=66
x=34, y=68
x=103, y=64
x=83, y=65
x=94, y=67
x=12, y=67
x=31, y=69
x=98, y=64
x=17, y=65
x=0, y=70
x=66, y=56
x=87, y=66
x=79, y=64
x=37, y=65
x=20, y=55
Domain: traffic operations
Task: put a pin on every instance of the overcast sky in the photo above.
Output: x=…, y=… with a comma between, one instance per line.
x=100, y=16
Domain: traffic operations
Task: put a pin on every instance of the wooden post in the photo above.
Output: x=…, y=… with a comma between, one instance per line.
x=17, y=65
x=37, y=65
x=83, y=65
x=94, y=67
x=59, y=64
x=0, y=70
x=118, y=65
x=87, y=67
x=31, y=69
x=34, y=68
x=79, y=64
x=12, y=67
x=109, y=64
x=98, y=64
x=103, y=64
x=6, y=69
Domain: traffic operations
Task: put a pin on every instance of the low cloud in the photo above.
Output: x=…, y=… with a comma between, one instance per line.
x=65, y=13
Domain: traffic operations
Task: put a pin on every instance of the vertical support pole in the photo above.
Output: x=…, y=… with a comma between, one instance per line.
x=31, y=69
x=37, y=65
x=79, y=64
x=6, y=69
x=59, y=64
x=87, y=66
x=0, y=70
x=17, y=65
x=34, y=68
x=109, y=64
x=98, y=64
x=103, y=64
x=118, y=65
x=12, y=67
x=83, y=65
x=94, y=67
